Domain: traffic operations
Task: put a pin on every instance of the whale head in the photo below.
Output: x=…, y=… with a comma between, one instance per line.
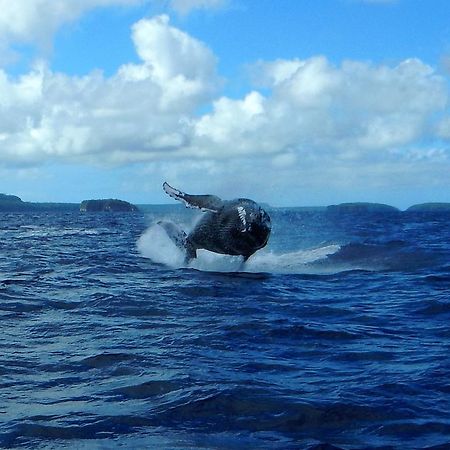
x=255, y=223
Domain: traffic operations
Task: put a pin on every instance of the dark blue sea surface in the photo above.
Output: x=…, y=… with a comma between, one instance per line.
x=338, y=332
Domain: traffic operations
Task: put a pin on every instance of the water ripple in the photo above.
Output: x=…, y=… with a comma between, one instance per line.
x=341, y=342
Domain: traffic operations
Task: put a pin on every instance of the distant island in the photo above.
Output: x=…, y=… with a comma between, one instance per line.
x=12, y=203
x=110, y=205
x=10, y=200
x=429, y=207
x=361, y=207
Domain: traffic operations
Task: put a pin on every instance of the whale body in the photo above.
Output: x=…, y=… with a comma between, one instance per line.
x=230, y=227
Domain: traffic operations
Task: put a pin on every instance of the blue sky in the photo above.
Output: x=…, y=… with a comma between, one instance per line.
x=290, y=102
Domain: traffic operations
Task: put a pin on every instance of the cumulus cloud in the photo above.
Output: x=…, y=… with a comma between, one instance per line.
x=303, y=122
x=140, y=113
x=316, y=106
x=183, y=67
x=352, y=124
x=34, y=22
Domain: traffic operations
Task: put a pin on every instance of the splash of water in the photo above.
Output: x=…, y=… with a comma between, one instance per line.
x=157, y=246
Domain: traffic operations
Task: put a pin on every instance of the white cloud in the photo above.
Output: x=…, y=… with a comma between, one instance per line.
x=183, y=67
x=314, y=121
x=317, y=107
x=140, y=113
x=26, y=20
x=353, y=124
x=34, y=22
x=226, y=129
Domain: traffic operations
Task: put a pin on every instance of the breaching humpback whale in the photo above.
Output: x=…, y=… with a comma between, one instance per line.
x=230, y=227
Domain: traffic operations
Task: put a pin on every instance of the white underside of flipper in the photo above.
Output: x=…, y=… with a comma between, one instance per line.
x=176, y=194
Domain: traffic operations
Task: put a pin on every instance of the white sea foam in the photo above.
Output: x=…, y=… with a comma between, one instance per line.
x=299, y=261
x=156, y=245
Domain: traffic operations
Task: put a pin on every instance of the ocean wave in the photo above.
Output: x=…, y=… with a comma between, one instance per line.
x=337, y=333
x=105, y=359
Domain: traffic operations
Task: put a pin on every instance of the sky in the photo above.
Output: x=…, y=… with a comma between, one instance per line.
x=287, y=102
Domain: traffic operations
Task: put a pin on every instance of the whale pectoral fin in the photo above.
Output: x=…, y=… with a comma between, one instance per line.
x=180, y=239
x=210, y=203
x=175, y=233
x=204, y=202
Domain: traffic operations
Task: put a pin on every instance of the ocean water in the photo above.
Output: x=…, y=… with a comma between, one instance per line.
x=337, y=333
